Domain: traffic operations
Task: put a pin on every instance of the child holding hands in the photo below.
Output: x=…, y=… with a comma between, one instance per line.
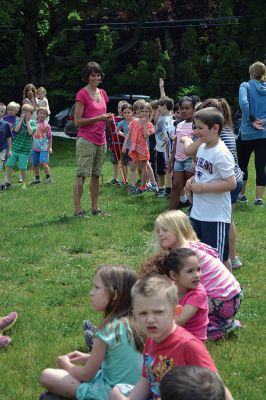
x=21, y=147
x=116, y=347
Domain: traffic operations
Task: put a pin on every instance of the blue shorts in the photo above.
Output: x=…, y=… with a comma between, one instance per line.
x=21, y=159
x=215, y=234
x=234, y=194
x=39, y=157
x=185, y=165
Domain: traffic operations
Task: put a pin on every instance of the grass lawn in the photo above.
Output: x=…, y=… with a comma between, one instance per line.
x=48, y=258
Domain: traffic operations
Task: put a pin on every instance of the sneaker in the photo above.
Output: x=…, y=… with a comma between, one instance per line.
x=183, y=204
x=35, y=182
x=20, y=179
x=81, y=214
x=8, y=321
x=131, y=188
x=258, y=202
x=48, y=180
x=113, y=181
x=137, y=191
x=5, y=186
x=4, y=341
x=242, y=199
x=160, y=191
x=153, y=187
x=236, y=263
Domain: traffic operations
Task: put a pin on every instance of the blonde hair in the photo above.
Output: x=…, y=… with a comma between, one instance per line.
x=13, y=104
x=138, y=104
x=257, y=71
x=27, y=107
x=42, y=109
x=222, y=105
x=43, y=90
x=155, y=285
x=176, y=222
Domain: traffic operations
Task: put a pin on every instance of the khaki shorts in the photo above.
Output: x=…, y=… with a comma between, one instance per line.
x=90, y=158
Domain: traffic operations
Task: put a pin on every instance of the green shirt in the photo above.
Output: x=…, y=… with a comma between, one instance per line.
x=22, y=140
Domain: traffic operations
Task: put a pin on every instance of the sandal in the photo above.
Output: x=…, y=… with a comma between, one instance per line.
x=8, y=321
x=98, y=212
x=81, y=214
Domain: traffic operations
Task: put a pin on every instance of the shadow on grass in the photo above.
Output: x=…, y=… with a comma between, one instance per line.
x=60, y=220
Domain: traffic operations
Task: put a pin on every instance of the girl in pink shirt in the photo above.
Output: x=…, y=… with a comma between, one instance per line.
x=139, y=131
x=172, y=231
x=183, y=267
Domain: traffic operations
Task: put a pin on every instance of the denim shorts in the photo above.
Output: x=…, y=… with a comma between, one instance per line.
x=39, y=157
x=185, y=165
x=234, y=194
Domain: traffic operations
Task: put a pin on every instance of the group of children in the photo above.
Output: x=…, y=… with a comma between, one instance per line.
x=155, y=325
x=194, y=155
x=24, y=138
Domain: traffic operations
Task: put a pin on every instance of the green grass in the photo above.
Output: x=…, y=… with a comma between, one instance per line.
x=48, y=258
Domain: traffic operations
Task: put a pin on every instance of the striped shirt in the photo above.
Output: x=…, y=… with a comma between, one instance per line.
x=218, y=281
x=228, y=137
x=182, y=129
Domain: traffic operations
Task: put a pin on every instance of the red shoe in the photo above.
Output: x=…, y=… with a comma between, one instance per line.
x=4, y=341
x=8, y=321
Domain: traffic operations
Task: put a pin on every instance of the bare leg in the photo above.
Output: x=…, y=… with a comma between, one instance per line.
x=115, y=171
x=168, y=179
x=161, y=181
x=259, y=192
x=23, y=175
x=9, y=173
x=244, y=188
x=46, y=169
x=144, y=174
x=59, y=381
x=77, y=192
x=37, y=170
x=132, y=173
x=94, y=189
x=232, y=236
x=228, y=264
x=178, y=184
x=150, y=173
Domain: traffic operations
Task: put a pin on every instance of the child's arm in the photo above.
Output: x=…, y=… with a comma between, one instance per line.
x=8, y=150
x=91, y=366
x=140, y=392
x=190, y=147
x=124, y=148
x=226, y=185
x=29, y=128
x=188, y=312
x=50, y=140
x=161, y=86
x=18, y=126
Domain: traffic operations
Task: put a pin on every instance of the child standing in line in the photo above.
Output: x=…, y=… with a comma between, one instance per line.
x=183, y=267
x=5, y=139
x=173, y=230
x=21, y=147
x=11, y=114
x=42, y=146
x=117, y=345
x=42, y=101
x=139, y=131
x=154, y=305
x=181, y=165
x=164, y=130
x=214, y=179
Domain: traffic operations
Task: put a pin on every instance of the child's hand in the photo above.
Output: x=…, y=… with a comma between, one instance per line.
x=77, y=356
x=185, y=140
x=50, y=150
x=161, y=82
x=28, y=117
x=23, y=115
x=8, y=153
x=63, y=361
x=124, y=149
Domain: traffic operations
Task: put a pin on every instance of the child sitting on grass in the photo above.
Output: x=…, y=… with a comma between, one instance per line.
x=154, y=301
x=21, y=147
x=117, y=345
x=183, y=267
